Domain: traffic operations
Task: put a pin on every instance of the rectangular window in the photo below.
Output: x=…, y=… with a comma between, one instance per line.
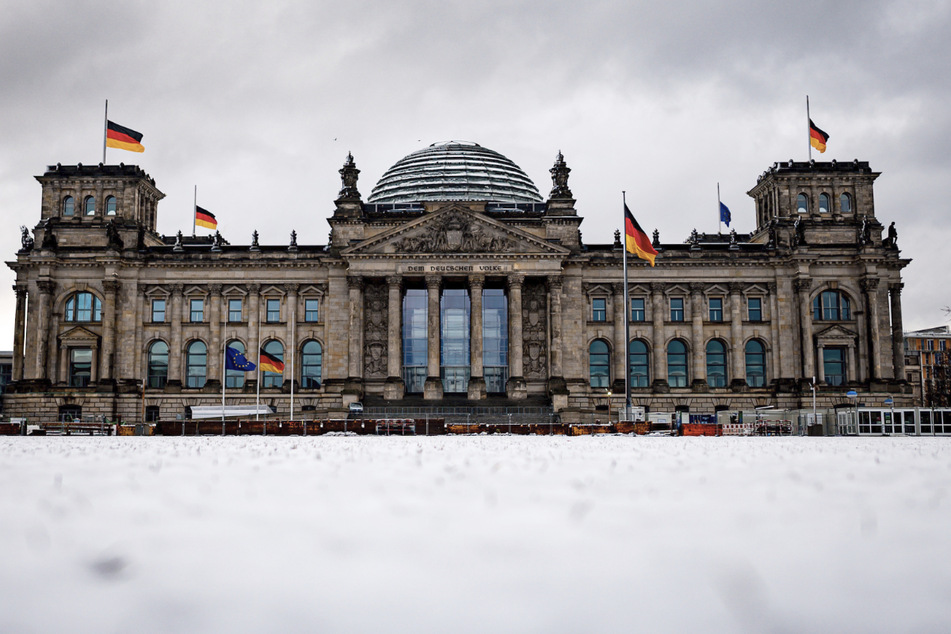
x=676, y=309
x=637, y=309
x=599, y=309
x=833, y=364
x=273, y=310
x=754, y=307
x=158, y=311
x=235, y=312
x=311, y=310
x=716, y=309
x=80, y=367
x=196, y=310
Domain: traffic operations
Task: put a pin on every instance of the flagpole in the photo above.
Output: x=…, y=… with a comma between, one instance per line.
x=195, y=211
x=224, y=379
x=257, y=368
x=719, y=210
x=808, y=128
x=105, y=131
x=627, y=316
x=293, y=351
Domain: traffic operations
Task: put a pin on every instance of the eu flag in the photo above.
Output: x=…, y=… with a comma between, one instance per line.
x=234, y=360
x=725, y=215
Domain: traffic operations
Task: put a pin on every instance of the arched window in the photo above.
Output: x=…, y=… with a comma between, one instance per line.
x=234, y=379
x=110, y=205
x=83, y=306
x=823, y=203
x=69, y=206
x=196, y=364
x=89, y=206
x=599, y=364
x=845, y=203
x=273, y=379
x=802, y=204
x=716, y=363
x=831, y=306
x=755, y=363
x=311, y=361
x=677, y=363
x=158, y=364
x=639, y=359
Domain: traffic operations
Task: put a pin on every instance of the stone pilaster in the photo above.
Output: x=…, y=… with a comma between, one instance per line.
x=699, y=355
x=870, y=287
x=774, y=347
x=175, y=346
x=355, y=359
x=555, y=286
x=620, y=340
x=290, y=350
x=107, y=354
x=659, y=340
x=254, y=331
x=215, y=346
x=476, y=373
x=19, y=325
x=803, y=288
x=737, y=353
x=46, y=287
x=394, y=388
x=898, y=336
x=515, y=387
x=432, y=389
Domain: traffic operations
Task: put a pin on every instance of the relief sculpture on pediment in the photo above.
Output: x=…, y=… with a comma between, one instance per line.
x=455, y=234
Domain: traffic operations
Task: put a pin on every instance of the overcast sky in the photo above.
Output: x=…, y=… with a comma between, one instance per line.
x=258, y=104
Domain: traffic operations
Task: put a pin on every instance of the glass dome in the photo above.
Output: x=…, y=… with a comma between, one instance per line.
x=454, y=170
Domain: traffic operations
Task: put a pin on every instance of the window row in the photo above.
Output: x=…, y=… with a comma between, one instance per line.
x=89, y=206
x=236, y=312
x=825, y=201
x=676, y=310
x=310, y=363
x=599, y=364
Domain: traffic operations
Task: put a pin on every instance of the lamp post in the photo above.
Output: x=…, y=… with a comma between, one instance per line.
x=609, y=407
x=891, y=403
x=852, y=394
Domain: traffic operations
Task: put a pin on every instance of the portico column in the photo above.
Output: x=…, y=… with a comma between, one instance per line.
x=19, y=324
x=42, y=343
x=108, y=329
x=433, y=386
x=355, y=357
x=515, y=387
x=175, y=347
x=870, y=286
x=803, y=287
x=394, y=388
x=620, y=340
x=476, y=379
x=659, y=349
x=215, y=349
x=696, y=335
x=898, y=336
x=737, y=354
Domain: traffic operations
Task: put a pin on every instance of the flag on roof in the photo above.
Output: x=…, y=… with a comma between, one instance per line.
x=270, y=363
x=123, y=138
x=234, y=360
x=817, y=137
x=636, y=241
x=204, y=218
x=725, y=215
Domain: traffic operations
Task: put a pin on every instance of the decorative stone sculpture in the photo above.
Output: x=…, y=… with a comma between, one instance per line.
x=26, y=240
x=349, y=174
x=559, y=178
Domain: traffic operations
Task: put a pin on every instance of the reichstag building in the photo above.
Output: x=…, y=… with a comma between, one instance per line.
x=455, y=281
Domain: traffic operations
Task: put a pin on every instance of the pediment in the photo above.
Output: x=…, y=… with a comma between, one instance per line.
x=457, y=230
x=834, y=334
x=79, y=335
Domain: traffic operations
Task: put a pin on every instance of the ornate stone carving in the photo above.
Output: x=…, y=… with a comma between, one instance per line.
x=254, y=241
x=455, y=234
x=870, y=284
x=555, y=282
x=112, y=235
x=803, y=285
x=348, y=176
x=354, y=282
x=26, y=240
x=658, y=287
x=559, y=178
x=375, y=320
x=178, y=242
x=293, y=245
x=535, y=330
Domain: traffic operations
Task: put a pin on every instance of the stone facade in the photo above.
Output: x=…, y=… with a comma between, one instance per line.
x=721, y=322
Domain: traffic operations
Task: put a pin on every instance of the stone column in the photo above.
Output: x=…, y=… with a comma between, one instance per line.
x=47, y=288
x=432, y=389
x=394, y=388
x=737, y=354
x=254, y=332
x=803, y=287
x=290, y=350
x=19, y=325
x=870, y=286
x=850, y=373
x=696, y=336
x=620, y=340
x=138, y=336
x=774, y=346
x=898, y=336
x=821, y=366
x=355, y=357
x=658, y=343
x=515, y=387
x=215, y=347
x=175, y=346
x=476, y=372
x=106, y=361
x=557, y=354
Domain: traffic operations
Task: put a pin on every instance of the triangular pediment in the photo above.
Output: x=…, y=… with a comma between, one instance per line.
x=457, y=230
x=79, y=335
x=834, y=334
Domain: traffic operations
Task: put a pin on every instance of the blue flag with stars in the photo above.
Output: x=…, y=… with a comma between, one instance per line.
x=234, y=360
x=725, y=215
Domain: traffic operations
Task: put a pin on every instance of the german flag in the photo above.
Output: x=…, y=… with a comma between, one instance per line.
x=123, y=138
x=636, y=240
x=270, y=363
x=817, y=137
x=204, y=218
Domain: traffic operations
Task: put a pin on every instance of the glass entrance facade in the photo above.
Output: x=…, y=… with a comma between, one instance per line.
x=414, y=340
x=495, y=340
x=454, y=340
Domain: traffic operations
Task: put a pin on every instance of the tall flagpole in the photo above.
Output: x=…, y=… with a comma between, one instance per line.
x=195, y=211
x=808, y=127
x=627, y=316
x=257, y=397
x=105, y=131
x=224, y=379
x=293, y=350
x=719, y=209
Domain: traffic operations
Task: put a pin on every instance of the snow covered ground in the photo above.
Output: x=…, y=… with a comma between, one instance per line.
x=475, y=534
